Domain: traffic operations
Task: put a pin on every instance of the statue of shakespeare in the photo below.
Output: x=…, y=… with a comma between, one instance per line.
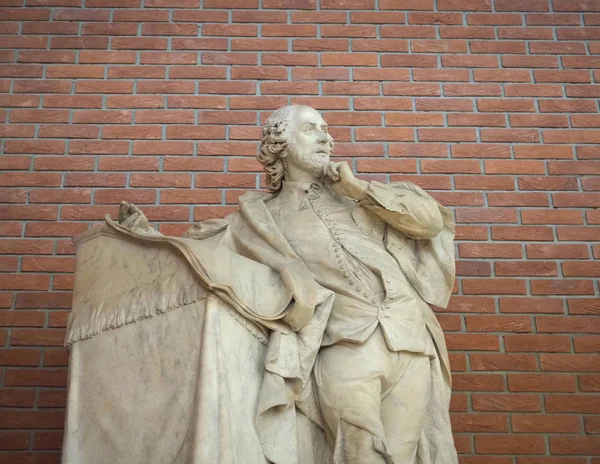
x=379, y=381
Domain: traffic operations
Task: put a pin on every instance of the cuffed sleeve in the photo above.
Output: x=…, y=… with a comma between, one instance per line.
x=407, y=208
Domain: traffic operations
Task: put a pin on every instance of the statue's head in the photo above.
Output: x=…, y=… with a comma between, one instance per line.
x=294, y=139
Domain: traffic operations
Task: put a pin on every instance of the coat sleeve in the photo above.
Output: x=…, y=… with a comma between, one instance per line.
x=408, y=209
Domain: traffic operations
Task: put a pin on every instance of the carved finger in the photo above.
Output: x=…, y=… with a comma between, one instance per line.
x=333, y=172
x=123, y=209
x=130, y=220
x=134, y=209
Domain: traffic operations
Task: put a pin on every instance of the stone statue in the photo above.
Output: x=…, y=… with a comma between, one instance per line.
x=360, y=351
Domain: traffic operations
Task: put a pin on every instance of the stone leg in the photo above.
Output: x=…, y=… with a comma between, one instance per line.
x=404, y=408
x=363, y=390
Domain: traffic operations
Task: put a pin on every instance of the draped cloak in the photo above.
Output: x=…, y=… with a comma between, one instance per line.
x=295, y=329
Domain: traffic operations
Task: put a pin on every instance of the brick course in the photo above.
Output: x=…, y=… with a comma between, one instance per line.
x=491, y=105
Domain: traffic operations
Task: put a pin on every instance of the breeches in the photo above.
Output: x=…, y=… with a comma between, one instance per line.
x=373, y=400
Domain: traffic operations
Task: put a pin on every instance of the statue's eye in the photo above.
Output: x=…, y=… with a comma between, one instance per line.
x=307, y=129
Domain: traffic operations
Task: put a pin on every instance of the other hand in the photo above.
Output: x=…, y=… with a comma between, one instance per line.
x=341, y=180
x=131, y=217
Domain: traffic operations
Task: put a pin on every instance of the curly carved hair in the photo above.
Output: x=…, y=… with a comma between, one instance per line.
x=273, y=142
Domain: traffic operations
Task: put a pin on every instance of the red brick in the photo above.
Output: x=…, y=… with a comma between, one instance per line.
x=31, y=419
x=57, y=357
x=132, y=132
x=510, y=135
x=396, y=165
x=37, y=337
x=102, y=117
x=588, y=404
x=592, y=424
x=481, y=120
x=494, y=19
x=418, y=150
x=484, y=250
x=408, y=60
x=506, y=402
x=567, y=106
x=349, y=59
x=210, y=44
x=517, y=268
x=43, y=300
x=211, y=102
x=561, y=76
x=547, y=183
x=138, y=43
x=518, y=199
x=568, y=324
x=467, y=342
x=139, y=101
x=582, y=91
x=501, y=105
x=584, y=306
x=479, y=423
x=370, y=17
x=416, y=32
x=542, y=152
x=557, y=48
x=168, y=58
x=20, y=357
x=384, y=134
x=575, y=445
x=473, y=268
x=446, y=135
x=514, y=167
x=540, y=383
x=426, y=182
x=115, y=196
x=510, y=444
x=498, y=323
x=577, y=233
x=170, y=29
x=14, y=440
x=164, y=117
x=589, y=383
x=493, y=287
x=48, y=440
x=556, y=251
x=42, y=213
x=480, y=182
x=522, y=233
x=494, y=215
x=469, y=32
x=562, y=287
x=538, y=120
x=16, y=398
x=260, y=16
x=72, y=101
x=587, y=344
x=411, y=89
x=346, y=4
x=377, y=74
x=498, y=47
x=463, y=90
x=35, y=378
x=544, y=343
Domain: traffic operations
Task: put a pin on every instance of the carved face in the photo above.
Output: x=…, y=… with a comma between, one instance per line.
x=309, y=145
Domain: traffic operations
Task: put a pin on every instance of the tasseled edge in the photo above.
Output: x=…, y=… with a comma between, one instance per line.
x=134, y=312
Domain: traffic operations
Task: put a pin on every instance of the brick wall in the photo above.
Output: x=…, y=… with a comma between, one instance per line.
x=491, y=106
